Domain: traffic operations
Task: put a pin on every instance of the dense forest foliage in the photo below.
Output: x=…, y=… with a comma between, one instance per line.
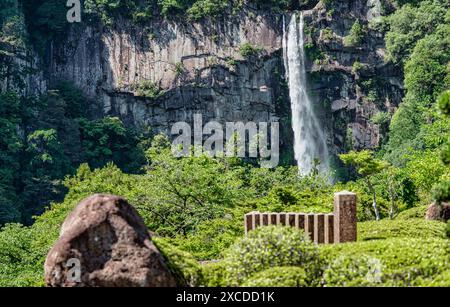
x=54, y=152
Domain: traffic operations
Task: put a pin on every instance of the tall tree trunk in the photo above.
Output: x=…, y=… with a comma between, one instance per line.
x=374, y=195
x=393, y=209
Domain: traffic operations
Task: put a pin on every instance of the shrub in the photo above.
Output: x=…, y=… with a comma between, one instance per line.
x=380, y=118
x=269, y=247
x=247, y=50
x=313, y=52
x=147, y=89
x=278, y=277
x=356, y=35
x=360, y=270
x=416, y=212
x=412, y=228
x=210, y=238
x=357, y=67
x=441, y=192
x=215, y=274
x=21, y=260
x=183, y=266
x=444, y=102
x=327, y=34
x=207, y=8
x=445, y=153
x=391, y=262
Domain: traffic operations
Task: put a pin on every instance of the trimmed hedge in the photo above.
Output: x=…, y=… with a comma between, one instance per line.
x=269, y=247
x=215, y=274
x=279, y=277
x=390, y=262
x=412, y=228
x=416, y=212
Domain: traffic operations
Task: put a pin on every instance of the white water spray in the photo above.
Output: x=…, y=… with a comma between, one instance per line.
x=309, y=139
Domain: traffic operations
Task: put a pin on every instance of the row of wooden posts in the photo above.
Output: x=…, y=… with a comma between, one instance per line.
x=336, y=227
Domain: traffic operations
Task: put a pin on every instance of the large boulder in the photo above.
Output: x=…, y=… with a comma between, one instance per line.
x=438, y=212
x=105, y=243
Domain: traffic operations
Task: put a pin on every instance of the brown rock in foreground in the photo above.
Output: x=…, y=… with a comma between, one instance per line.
x=105, y=243
x=438, y=212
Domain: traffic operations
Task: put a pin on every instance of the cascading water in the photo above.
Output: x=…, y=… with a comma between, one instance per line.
x=309, y=138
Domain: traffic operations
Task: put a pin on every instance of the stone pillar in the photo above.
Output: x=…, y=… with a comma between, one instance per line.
x=329, y=228
x=291, y=220
x=301, y=221
x=282, y=219
x=319, y=228
x=249, y=222
x=273, y=217
x=265, y=219
x=256, y=219
x=309, y=225
x=344, y=217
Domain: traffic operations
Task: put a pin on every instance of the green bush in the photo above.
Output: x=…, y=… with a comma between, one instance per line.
x=207, y=8
x=147, y=89
x=211, y=238
x=441, y=192
x=413, y=213
x=356, y=36
x=444, y=102
x=248, y=50
x=278, y=277
x=183, y=266
x=391, y=262
x=20, y=264
x=354, y=271
x=412, y=228
x=269, y=247
x=380, y=118
x=215, y=274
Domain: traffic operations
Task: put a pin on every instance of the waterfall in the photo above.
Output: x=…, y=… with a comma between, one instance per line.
x=309, y=139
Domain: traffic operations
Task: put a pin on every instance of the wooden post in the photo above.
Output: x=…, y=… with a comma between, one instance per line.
x=344, y=217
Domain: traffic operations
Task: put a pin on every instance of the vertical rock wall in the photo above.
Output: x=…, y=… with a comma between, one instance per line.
x=164, y=71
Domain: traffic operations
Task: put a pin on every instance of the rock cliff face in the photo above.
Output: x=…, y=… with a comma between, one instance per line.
x=353, y=82
x=164, y=71
x=20, y=66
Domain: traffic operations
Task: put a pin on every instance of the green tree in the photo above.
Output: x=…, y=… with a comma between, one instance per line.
x=10, y=148
x=409, y=24
x=356, y=35
x=367, y=166
x=186, y=191
x=426, y=76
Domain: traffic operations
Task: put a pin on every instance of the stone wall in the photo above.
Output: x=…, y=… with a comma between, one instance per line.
x=336, y=227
